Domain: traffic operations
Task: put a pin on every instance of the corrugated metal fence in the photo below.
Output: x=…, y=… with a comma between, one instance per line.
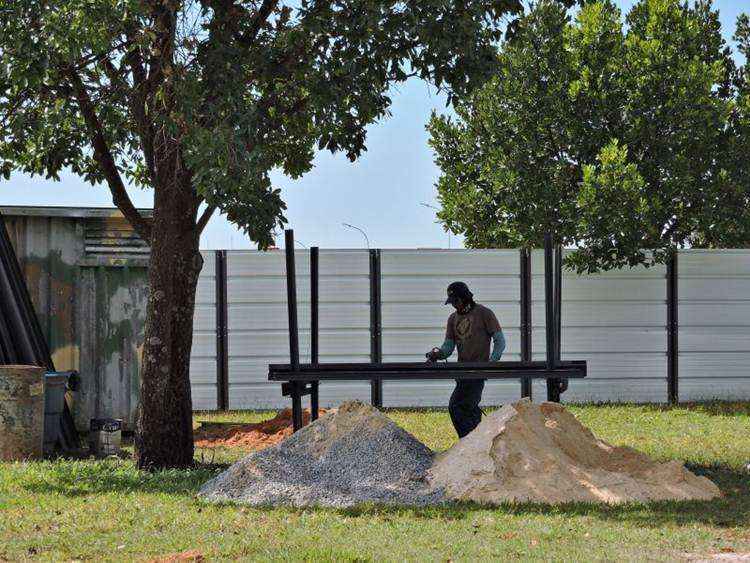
x=86, y=273
x=617, y=321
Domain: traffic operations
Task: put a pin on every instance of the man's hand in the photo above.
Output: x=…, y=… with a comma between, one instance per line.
x=433, y=355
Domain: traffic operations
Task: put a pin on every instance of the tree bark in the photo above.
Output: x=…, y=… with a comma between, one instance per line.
x=164, y=431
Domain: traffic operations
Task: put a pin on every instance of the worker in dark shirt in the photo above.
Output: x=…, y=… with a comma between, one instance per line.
x=471, y=327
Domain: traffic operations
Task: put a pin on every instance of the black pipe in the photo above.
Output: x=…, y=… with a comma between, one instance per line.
x=558, y=303
x=672, y=332
x=553, y=385
x=222, y=333
x=314, y=328
x=525, y=256
x=376, y=347
x=291, y=294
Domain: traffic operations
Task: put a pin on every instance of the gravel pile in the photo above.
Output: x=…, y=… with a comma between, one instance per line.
x=354, y=455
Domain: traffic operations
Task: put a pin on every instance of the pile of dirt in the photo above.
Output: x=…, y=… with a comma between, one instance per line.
x=254, y=436
x=354, y=455
x=542, y=453
x=520, y=453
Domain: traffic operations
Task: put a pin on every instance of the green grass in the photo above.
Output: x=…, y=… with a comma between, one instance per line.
x=106, y=510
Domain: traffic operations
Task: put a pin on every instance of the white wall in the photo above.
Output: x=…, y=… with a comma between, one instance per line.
x=714, y=319
x=616, y=321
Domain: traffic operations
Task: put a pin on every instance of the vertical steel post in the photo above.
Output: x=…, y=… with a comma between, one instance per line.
x=291, y=294
x=525, y=256
x=376, y=330
x=222, y=333
x=673, y=331
x=314, y=328
x=549, y=308
x=558, y=303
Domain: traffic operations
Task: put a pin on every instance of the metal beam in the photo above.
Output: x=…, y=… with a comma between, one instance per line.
x=291, y=294
x=526, y=326
x=376, y=345
x=314, y=327
x=673, y=331
x=222, y=333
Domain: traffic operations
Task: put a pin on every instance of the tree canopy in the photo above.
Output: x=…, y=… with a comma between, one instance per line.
x=626, y=138
x=245, y=86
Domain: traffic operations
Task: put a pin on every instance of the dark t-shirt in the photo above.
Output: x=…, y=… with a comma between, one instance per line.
x=472, y=332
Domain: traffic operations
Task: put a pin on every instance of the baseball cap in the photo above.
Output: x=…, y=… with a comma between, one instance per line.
x=458, y=289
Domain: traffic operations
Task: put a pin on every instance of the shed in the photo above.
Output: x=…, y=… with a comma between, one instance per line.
x=86, y=270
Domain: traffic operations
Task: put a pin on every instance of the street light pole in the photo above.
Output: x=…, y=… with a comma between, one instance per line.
x=437, y=209
x=367, y=240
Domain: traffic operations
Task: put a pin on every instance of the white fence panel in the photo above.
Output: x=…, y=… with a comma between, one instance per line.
x=714, y=318
x=203, y=357
x=616, y=321
x=414, y=317
x=258, y=321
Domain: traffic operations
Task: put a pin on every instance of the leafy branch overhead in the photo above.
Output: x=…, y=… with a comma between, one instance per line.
x=619, y=135
x=223, y=91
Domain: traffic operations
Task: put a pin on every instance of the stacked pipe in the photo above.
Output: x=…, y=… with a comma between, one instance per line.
x=21, y=338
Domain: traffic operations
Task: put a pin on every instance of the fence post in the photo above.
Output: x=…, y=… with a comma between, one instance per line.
x=222, y=333
x=526, y=326
x=314, y=328
x=376, y=344
x=673, y=329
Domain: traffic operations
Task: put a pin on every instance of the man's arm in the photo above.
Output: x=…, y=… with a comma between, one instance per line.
x=444, y=352
x=498, y=346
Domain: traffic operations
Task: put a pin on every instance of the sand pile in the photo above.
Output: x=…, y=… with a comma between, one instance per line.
x=541, y=453
x=522, y=452
x=254, y=436
x=354, y=455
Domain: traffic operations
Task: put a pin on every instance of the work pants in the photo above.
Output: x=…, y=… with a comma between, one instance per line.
x=464, y=405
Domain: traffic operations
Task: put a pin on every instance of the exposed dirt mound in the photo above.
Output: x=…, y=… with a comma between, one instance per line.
x=354, y=455
x=541, y=453
x=254, y=436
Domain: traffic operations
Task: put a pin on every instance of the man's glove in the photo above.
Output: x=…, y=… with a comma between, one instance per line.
x=433, y=355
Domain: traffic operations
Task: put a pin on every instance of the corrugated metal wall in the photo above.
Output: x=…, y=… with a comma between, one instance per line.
x=91, y=300
x=414, y=317
x=714, y=317
x=614, y=320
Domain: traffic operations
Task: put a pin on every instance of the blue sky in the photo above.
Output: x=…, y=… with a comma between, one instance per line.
x=381, y=193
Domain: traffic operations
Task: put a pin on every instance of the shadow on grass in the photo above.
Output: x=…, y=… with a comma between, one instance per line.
x=78, y=479
x=83, y=478
x=712, y=408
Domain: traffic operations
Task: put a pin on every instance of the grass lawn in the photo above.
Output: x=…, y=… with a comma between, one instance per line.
x=106, y=510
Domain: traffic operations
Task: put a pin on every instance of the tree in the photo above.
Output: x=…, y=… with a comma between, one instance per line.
x=617, y=139
x=200, y=100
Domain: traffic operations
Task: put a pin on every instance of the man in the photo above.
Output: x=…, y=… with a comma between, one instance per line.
x=471, y=327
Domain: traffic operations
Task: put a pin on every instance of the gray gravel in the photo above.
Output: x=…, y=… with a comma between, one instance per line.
x=352, y=456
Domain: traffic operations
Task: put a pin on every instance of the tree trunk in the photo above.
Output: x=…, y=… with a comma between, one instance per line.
x=164, y=431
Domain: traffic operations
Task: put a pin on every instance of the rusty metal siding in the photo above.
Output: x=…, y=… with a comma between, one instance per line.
x=112, y=307
x=48, y=250
x=87, y=275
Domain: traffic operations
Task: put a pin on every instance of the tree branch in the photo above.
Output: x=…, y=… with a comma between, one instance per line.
x=104, y=158
x=205, y=218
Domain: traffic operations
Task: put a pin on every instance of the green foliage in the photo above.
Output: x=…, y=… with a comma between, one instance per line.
x=214, y=95
x=618, y=136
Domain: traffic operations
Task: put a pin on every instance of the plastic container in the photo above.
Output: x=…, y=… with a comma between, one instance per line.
x=21, y=412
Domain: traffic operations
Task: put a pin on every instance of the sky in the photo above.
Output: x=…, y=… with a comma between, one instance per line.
x=383, y=193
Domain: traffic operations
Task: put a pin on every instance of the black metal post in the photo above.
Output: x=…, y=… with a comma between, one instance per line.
x=291, y=293
x=314, y=328
x=222, y=333
x=526, y=387
x=673, y=330
x=549, y=308
x=558, y=303
x=376, y=330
